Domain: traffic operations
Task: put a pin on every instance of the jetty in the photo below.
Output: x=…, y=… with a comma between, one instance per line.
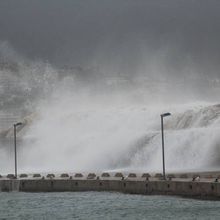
x=206, y=186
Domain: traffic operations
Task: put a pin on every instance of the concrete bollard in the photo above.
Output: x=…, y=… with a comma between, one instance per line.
x=36, y=175
x=23, y=175
x=64, y=175
x=50, y=175
x=10, y=176
x=78, y=175
x=105, y=175
x=91, y=176
x=146, y=176
x=120, y=175
x=132, y=175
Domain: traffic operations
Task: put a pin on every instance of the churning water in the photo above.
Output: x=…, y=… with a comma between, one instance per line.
x=96, y=205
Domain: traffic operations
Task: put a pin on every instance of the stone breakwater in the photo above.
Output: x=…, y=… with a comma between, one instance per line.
x=205, y=187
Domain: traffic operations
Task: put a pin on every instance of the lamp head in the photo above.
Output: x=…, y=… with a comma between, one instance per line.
x=18, y=124
x=165, y=114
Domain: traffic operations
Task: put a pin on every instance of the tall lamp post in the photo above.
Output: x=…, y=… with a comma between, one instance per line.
x=15, y=145
x=162, y=133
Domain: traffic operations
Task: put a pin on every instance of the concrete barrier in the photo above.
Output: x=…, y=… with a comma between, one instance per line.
x=204, y=188
x=181, y=188
x=9, y=185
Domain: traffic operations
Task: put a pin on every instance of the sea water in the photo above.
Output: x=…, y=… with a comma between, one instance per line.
x=103, y=205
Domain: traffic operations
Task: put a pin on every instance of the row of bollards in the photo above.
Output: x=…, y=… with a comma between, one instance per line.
x=91, y=176
x=80, y=175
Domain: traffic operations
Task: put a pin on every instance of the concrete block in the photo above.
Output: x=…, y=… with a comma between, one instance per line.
x=105, y=175
x=23, y=175
x=146, y=175
x=64, y=175
x=78, y=175
x=10, y=176
x=91, y=176
x=50, y=175
x=119, y=175
x=132, y=175
x=36, y=175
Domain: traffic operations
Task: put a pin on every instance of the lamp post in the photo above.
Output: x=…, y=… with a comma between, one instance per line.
x=162, y=133
x=15, y=145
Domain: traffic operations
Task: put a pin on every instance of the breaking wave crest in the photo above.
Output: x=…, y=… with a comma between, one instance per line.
x=123, y=138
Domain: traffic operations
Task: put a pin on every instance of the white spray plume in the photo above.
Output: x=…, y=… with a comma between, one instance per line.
x=114, y=124
x=79, y=133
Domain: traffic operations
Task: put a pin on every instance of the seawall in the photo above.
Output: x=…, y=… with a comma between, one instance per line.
x=204, y=188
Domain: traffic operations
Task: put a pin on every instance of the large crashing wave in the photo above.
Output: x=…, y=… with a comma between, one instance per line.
x=77, y=137
x=103, y=123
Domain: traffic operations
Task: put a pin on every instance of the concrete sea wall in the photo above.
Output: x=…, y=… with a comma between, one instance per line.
x=200, y=188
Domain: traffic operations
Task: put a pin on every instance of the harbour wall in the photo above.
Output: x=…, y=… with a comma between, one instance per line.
x=200, y=189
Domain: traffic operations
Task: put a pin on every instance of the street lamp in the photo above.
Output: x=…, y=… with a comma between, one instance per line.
x=15, y=145
x=163, y=157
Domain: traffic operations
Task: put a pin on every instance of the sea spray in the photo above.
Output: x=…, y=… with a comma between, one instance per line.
x=85, y=135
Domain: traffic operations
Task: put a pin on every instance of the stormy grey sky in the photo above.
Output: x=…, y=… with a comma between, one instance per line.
x=121, y=33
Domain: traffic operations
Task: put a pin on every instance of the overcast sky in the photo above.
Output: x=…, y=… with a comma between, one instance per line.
x=124, y=33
